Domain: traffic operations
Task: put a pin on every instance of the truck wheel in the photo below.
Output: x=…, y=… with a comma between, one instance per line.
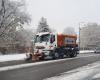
x=73, y=55
x=56, y=55
x=67, y=55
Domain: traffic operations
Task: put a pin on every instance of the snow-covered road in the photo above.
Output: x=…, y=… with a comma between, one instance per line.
x=12, y=57
x=89, y=72
x=45, y=69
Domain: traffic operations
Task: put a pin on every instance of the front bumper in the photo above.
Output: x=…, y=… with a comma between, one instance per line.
x=44, y=52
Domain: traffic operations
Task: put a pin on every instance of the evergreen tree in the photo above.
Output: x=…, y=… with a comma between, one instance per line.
x=43, y=26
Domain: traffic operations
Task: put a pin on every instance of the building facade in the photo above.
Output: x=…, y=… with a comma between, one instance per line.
x=90, y=36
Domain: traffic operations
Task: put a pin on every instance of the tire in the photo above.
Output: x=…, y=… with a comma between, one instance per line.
x=73, y=54
x=67, y=55
x=56, y=55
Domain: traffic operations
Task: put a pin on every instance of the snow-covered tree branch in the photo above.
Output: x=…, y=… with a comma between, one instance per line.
x=11, y=16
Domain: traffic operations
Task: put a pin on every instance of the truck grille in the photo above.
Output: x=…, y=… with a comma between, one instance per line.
x=40, y=47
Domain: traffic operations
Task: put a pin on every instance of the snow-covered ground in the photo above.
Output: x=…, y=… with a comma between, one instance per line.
x=86, y=51
x=12, y=57
x=89, y=72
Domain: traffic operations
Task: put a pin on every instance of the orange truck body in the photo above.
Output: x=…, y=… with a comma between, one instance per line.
x=66, y=40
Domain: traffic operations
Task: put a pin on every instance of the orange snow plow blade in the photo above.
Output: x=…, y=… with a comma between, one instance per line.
x=36, y=57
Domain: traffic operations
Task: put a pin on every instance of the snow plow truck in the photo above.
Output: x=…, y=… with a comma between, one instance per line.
x=53, y=45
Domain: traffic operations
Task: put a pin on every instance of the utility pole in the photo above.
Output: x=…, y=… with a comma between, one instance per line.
x=80, y=33
x=79, y=36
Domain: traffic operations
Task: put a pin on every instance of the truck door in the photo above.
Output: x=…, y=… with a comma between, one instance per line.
x=52, y=41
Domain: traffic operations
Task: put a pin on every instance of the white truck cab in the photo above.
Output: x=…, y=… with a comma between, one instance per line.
x=44, y=43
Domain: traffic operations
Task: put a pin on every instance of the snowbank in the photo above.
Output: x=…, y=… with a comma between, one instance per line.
x=12, y=57
x=89, y=72
x=86, y=51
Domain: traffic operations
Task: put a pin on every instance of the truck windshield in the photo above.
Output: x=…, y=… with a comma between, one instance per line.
x=42, y=38
x=37, y=39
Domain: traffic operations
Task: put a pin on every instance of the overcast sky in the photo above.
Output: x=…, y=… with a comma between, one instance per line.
x=64, y=13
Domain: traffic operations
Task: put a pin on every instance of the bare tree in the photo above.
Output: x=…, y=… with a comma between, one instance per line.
x=24, y=37
x=90, y=36
x=11, y=17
